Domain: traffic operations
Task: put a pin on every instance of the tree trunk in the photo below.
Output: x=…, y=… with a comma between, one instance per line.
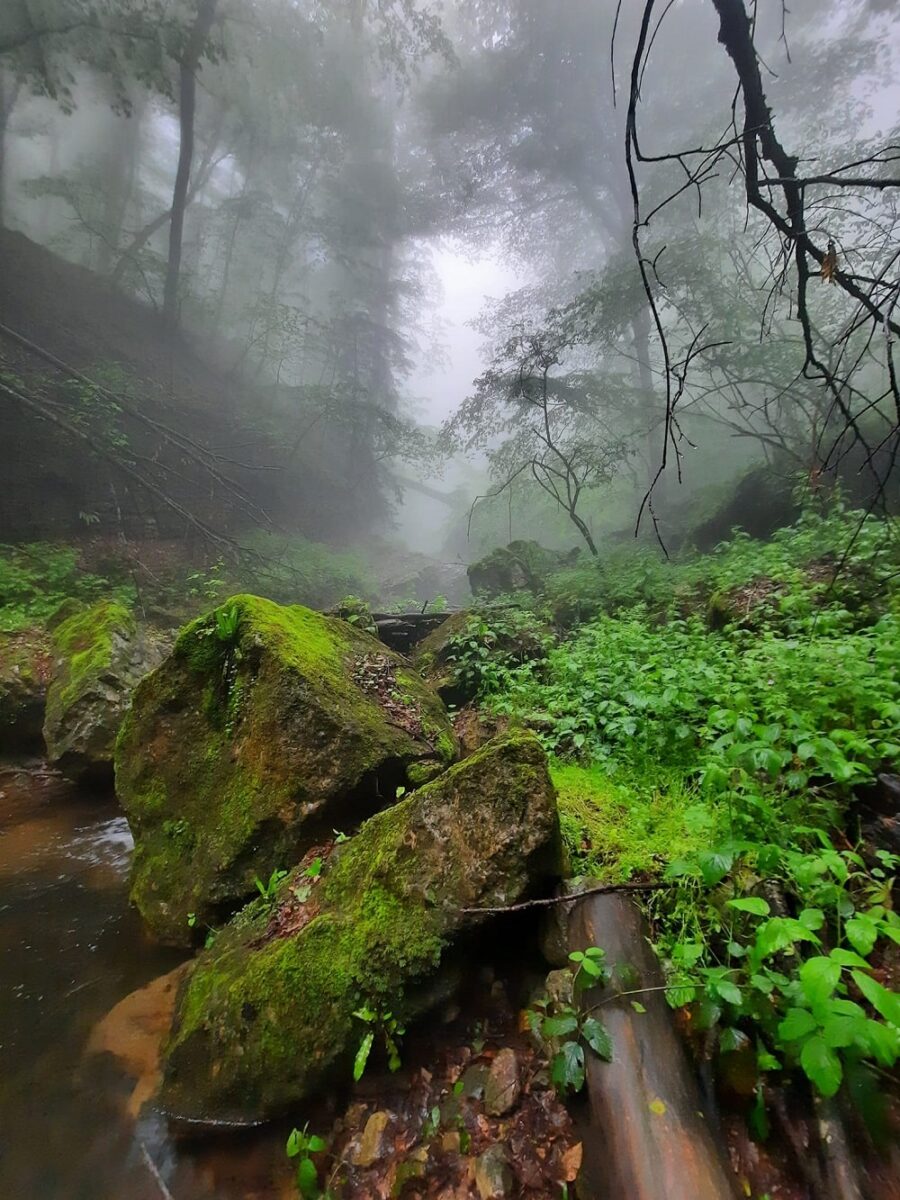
x=187, y=104
x=9, y=94
x=143, y=236
x=649, y=1137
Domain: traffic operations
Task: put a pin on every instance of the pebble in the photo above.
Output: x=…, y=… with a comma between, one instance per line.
x=374, y=1144
x=493, y=1178
x=502, y=1087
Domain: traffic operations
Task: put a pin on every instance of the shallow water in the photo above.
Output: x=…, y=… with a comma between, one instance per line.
x=71, y=949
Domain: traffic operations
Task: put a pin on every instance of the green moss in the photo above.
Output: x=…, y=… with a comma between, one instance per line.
x=250, y=739
x=263, y=1016
x=618, y=829
x=84, y=642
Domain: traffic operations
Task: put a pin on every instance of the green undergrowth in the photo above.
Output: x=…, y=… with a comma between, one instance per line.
x=797, y=564
x=627, y=827
x=35, y=579
x=726, y=758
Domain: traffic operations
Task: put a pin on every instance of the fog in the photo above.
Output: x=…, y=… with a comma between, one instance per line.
x=513, y=253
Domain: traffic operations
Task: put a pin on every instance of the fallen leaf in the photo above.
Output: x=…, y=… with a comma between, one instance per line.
x=657, y=1106
x=571, y=1162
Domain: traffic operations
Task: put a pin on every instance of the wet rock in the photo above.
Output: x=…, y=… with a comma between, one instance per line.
x=100, y=655
x=414, y=1166
x=522, y=565
x=493, y=1177
x=474, y=1080
x=375, y=1143
x=263, y=1019
x=133, y=1033
x=502, y=1087
x=25, y=668
x=560, y=987
x=433, y=659
x=264, y=728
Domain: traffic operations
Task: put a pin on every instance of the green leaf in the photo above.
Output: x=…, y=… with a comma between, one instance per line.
x=862, y=933
x=732, y=1039
x=822, y=1065
x=846, y=958
x=730, y=992
x=715, y=865
x=597, y=1037
x=840, y=1032
x=812, y=918
x=882, y=1042
x=763, y=984
x=819, y=977
x=798, y=1023
x=751, y=904
x=591, y=967
x=567, y=1071
x=362, y=1055
x=559, y=1026
x=307, y=1179
x=885, y=1002
x=315, y=1144
x=294, y=1143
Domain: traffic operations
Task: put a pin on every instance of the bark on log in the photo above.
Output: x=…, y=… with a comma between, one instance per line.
x=649, y=1137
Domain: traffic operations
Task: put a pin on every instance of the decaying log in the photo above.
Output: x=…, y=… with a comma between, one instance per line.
x=649, y=1138
x=403, y=631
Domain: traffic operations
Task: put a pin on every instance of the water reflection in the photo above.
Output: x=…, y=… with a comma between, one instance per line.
x=71, y=949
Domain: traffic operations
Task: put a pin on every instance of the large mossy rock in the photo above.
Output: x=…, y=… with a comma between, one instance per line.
x=265, y=729
x=520, y=565
x=267, y=1013
x=99, y=656
x=25, y=667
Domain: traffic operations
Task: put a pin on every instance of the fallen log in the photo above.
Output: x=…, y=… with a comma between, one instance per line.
x=649, y=1137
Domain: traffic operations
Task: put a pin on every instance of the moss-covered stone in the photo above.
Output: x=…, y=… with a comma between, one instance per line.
x=266, y=728
x=521, y=564
x=99, y=656
x=264, y=1015
x=355, y=611
x=25, y=664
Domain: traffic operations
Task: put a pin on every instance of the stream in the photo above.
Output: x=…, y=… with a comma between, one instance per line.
x=71, y=949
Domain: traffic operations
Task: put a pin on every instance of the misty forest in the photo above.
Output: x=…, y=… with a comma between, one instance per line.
x=449, y=599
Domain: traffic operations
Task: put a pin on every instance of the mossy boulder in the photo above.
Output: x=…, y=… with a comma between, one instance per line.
x=99, y=656
x=266, y=728
x=267, y=1013
x=25, y=667
x=520, y=565
x=355, y=611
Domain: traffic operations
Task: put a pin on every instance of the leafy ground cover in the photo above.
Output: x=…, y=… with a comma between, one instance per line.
x=721, y=749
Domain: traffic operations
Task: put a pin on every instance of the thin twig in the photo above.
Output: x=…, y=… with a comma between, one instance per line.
x=602, y=890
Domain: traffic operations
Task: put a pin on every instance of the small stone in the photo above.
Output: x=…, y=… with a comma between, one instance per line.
x=474, y=1080
x=493, y=1178
x=502, y=1087
x=374, y=1144
x=559, y=987
x=413, y=1167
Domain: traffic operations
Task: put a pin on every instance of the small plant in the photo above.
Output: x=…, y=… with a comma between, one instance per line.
x=566, y=1031
x=269, y=890
x=228, y=620
x=211, y=932
x=301, y=1145
x=391, y=1031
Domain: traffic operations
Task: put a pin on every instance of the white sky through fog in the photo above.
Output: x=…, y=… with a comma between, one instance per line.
x=439, y=383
